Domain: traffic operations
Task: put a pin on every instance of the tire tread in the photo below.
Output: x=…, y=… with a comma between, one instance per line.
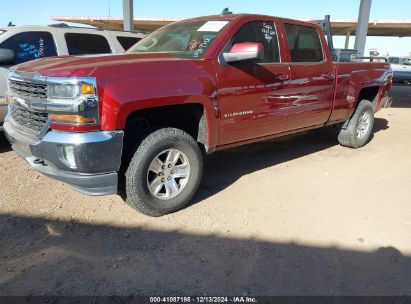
x=348, y=136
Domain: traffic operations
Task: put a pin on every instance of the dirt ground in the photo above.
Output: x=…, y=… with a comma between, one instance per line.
x=297, y=216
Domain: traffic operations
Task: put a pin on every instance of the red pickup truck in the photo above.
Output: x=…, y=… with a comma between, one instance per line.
x=142, y=121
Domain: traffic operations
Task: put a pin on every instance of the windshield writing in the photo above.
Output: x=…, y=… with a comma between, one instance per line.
x=186, y=39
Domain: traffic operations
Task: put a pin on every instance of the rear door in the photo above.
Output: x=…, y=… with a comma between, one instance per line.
x=251, y=93
x=312, y=77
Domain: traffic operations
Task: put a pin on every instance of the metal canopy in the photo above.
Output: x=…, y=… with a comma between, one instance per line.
x=128, y=24
x=113, y=23
x=389, y=28
x=339, y=27
x=361, y=28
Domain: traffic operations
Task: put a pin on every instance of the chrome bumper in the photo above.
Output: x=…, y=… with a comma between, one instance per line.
x=97, y=157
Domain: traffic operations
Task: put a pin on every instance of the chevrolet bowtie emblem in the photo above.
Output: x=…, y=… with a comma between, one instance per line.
x=23, y=103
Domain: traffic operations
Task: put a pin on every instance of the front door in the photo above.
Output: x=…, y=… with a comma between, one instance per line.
x=251, y=93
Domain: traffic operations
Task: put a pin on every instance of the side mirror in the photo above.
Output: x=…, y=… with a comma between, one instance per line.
x=245, y=51
x=6, y=56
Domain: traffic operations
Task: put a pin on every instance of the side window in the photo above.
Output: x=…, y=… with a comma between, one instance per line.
x=127, y=42
x=78, y=44
x=260, y=32
x=394, y=60
x=304, y=43
x=30, y=45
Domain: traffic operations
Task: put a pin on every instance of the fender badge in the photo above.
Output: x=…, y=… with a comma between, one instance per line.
x=235, y=114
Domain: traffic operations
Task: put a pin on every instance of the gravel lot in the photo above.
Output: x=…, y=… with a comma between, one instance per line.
x=296, y=216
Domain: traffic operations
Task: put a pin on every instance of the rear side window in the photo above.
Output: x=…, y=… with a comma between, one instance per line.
x=304, y=43
x=30, y=45
x=78, y=44
x=127, y=42
x=261, y=32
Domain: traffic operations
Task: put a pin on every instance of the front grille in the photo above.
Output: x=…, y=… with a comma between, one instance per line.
x=24, y=89
x=32, y=122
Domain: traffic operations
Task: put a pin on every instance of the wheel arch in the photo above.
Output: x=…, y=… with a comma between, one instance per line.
x=193, y=118
x=370, y=93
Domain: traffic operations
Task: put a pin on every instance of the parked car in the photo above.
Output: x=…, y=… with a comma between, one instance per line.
x=401, y=67
x=20, y=44
x=139, y=123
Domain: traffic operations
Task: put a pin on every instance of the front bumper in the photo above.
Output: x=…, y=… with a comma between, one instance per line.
x=97, y=157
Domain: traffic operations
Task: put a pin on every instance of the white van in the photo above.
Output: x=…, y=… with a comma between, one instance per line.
x=19, y=44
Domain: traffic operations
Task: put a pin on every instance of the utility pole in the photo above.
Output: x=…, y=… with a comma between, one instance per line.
x=362, y=26
x=128, y=19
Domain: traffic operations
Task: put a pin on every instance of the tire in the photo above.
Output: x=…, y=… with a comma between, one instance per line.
x=161, y=153
x=359, y=128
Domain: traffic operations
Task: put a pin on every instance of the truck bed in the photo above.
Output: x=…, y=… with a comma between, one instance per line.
x=351, y=77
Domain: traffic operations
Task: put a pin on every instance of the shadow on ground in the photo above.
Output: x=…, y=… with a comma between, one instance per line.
x=49, y=257
x=223, y=168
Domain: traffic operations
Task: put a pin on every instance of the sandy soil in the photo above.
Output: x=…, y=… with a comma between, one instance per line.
x=297, y=216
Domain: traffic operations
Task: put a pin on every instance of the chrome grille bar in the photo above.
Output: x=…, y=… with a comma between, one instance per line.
x=29, y=90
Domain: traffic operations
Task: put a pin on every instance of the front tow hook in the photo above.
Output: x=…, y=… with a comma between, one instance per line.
x=39, y=161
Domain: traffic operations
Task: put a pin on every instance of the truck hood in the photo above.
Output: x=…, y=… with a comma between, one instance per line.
x=85, y=65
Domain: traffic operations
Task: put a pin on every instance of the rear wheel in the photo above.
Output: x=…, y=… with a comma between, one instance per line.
x=164, y=173
x=359, y=128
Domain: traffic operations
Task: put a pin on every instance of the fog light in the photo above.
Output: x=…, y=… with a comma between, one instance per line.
x=68, y=155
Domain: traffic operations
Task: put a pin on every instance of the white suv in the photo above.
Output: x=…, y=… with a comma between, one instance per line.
x=19, y=44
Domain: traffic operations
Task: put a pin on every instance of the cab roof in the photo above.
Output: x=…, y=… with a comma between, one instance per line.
x=231, y=17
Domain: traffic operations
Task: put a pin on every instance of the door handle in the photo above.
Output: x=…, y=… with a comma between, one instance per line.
x=328, y=76
x=282, y=77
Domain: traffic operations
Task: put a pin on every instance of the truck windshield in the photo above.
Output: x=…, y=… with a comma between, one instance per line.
x=186, y=39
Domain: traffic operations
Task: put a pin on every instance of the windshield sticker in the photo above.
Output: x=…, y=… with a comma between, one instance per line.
x=212, y=26
x=194, y=44
x=199, y=46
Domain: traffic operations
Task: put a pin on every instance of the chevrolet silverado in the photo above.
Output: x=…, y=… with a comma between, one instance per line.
x=140, y=123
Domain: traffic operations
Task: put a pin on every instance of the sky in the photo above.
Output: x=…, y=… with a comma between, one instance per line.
x=24, y=12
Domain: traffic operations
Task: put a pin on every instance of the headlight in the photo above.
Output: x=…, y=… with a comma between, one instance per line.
x=72, y=101
x=71, y=92
x=62, y=91
x=69, y=101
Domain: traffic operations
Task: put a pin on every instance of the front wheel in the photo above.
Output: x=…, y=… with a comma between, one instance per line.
x=164, y=172
x=359, y=128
